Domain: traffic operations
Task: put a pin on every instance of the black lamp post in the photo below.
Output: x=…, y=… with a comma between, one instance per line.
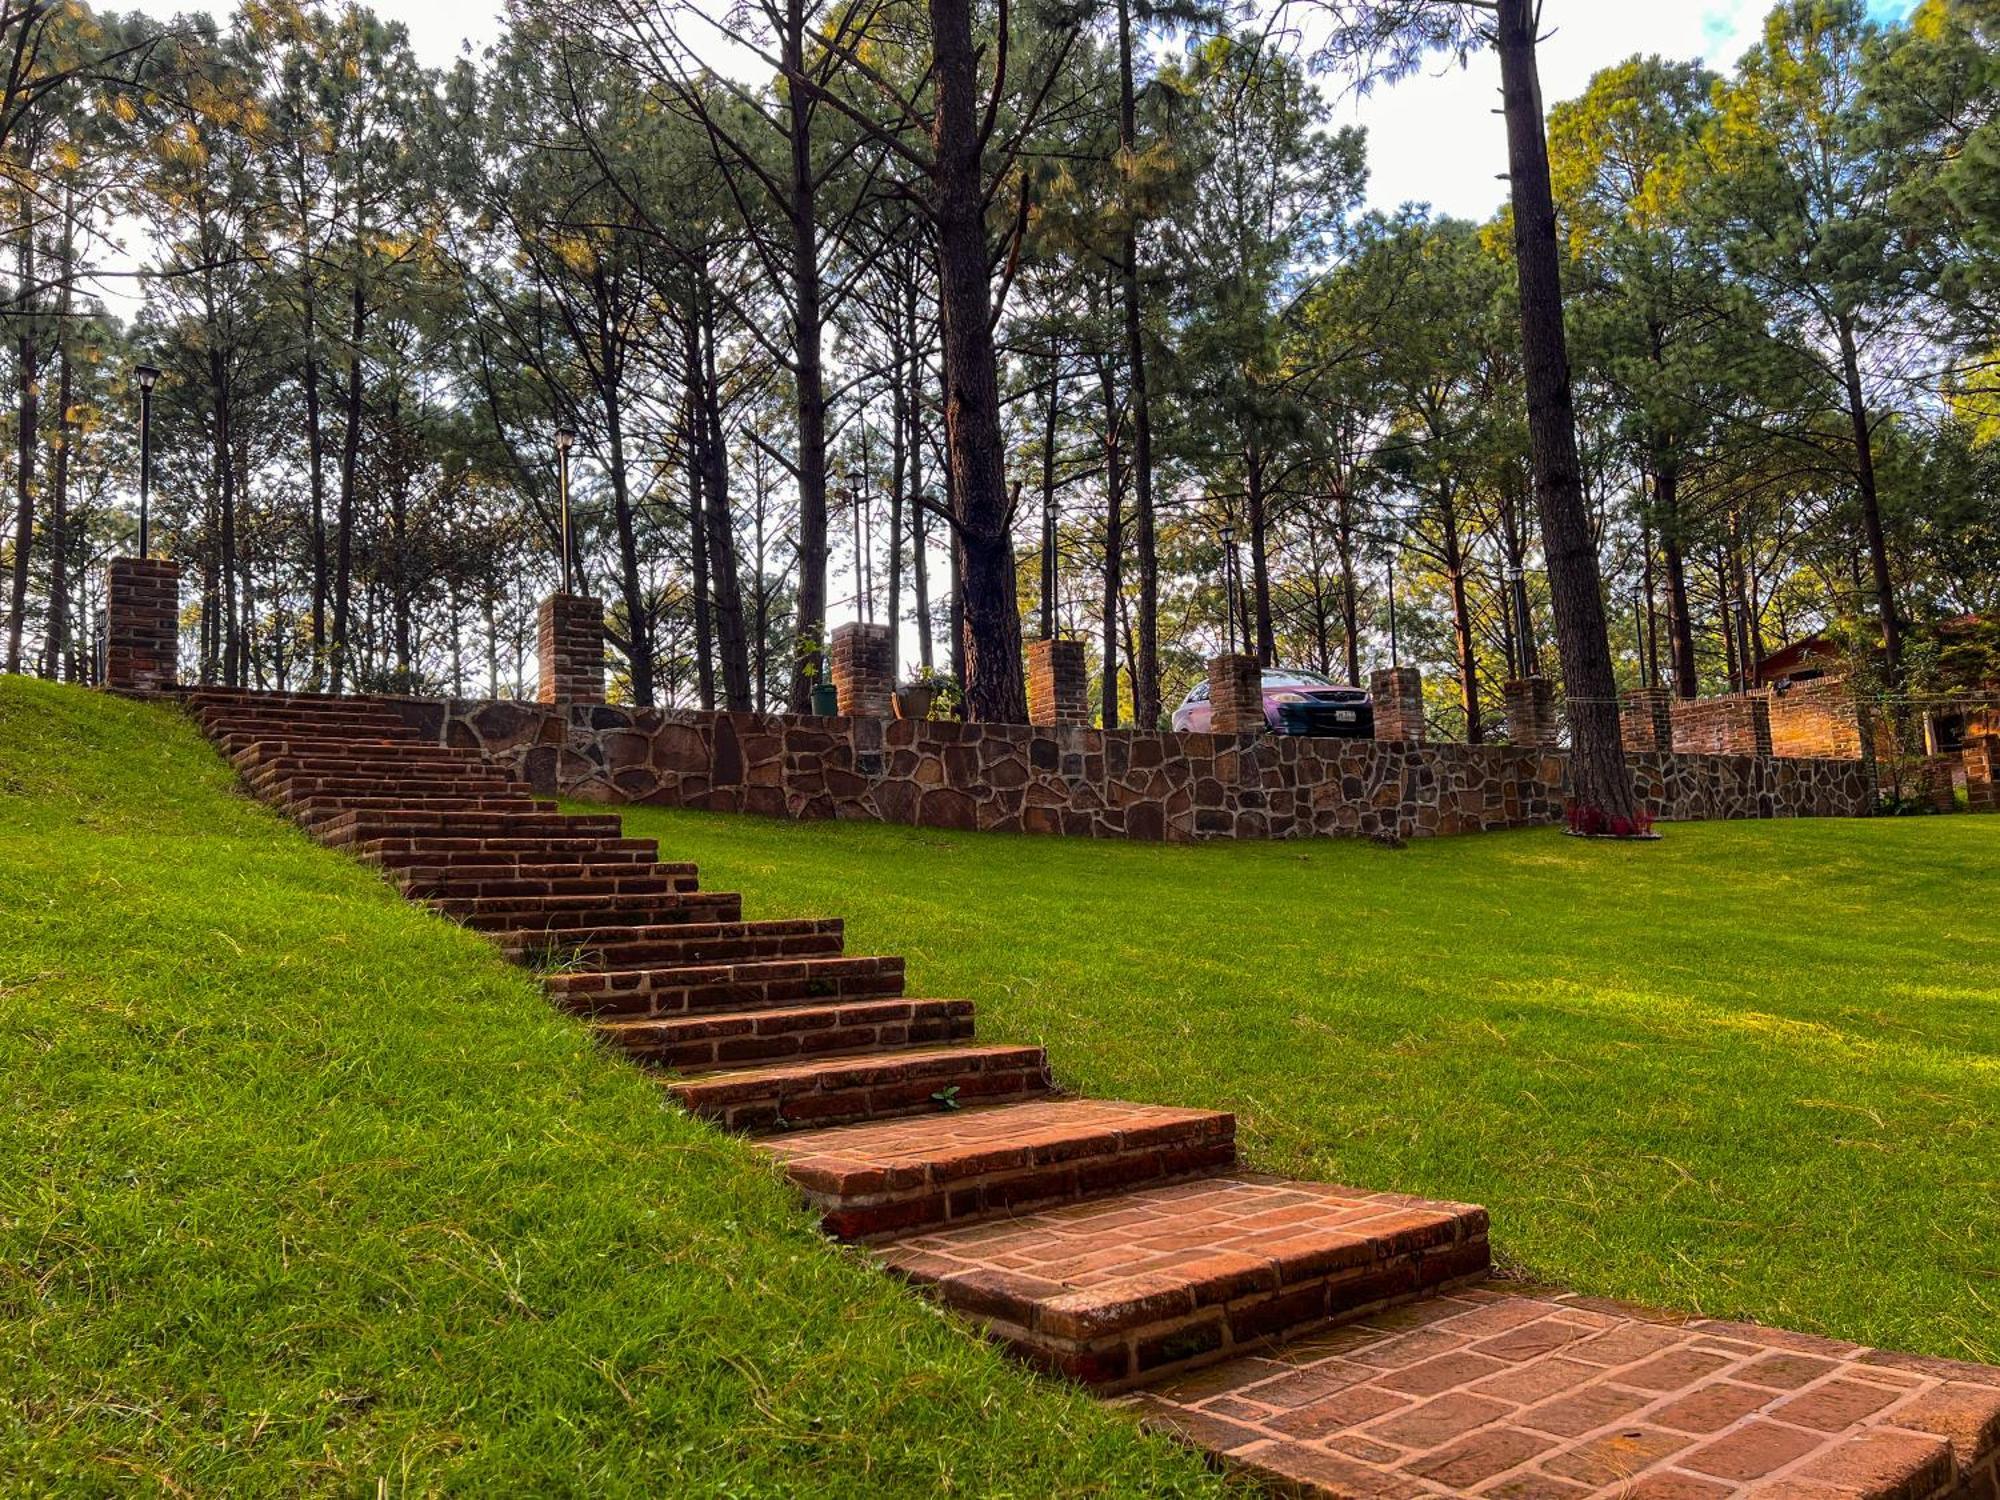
x=148, y=377
x=564, y=439
x=1229, y=581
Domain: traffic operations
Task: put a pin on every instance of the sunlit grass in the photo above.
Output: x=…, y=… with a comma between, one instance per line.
x=1753, y=1069
x=304, y=1191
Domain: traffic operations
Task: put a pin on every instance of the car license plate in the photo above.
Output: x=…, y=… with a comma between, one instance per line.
x=1343, y=716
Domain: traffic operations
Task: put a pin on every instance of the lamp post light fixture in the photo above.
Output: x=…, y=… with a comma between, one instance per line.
x=565, y=438
x=1229, y=581
x=148, y=377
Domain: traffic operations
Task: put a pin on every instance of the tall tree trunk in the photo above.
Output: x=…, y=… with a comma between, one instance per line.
x=399, y=539
x=27, y=439
x=225, y=490
x=1114, y=541
x=1680, y=622
x=1871, y=503
x=920, y=566
x=65, y=437
x=1350, y=591
x=809, y=642
x=1146, y=665
x=994, y=688
x=1049, y=498
x=316, y=489
x=1461, y=616
x=1601, y=780
x=638, y=627
x=350, y=454
x=723, y=584
x=1260, y=556
x=899, y=450
x=697, y=479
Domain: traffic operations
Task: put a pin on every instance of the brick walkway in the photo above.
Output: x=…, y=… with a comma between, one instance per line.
x=1330, y=1340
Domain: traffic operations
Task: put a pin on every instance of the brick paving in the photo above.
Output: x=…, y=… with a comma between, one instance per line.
x=1329, y=1340
x=1492, y=1391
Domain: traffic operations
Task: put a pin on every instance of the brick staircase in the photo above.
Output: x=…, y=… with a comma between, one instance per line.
x=1329, y=1340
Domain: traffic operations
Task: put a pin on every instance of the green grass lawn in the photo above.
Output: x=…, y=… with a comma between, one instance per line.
x=1753, y=1069
x=303, y=1191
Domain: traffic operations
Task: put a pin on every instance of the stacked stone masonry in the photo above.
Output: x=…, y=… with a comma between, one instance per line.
x=862, y=665
x=1329, y=1340
x=1058, y=683
x=1130, y=784
x=570, y=647
x=142, y=610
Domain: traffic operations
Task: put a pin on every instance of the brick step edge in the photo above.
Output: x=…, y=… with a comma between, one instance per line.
x=839, y=1089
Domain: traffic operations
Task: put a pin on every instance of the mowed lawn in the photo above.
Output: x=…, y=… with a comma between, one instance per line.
x=1751, y=1070
x=303, y=1191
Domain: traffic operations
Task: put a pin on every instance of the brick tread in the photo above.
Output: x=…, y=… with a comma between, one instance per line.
x=727, y=988
x=764, y=1036
x=1118, y=1289
x=879, y=1177
x=1508, y=1391
x=861, y=1086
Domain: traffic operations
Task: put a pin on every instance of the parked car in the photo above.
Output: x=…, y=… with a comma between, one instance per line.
x=1295, y=702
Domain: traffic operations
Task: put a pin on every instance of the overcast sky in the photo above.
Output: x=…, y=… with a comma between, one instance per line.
x=1432, y=139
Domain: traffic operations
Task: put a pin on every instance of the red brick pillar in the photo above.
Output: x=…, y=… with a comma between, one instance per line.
x=570, y=640
x=1235, y=695
x=859, y=665
x=1399, y=704
x=1647, y=722
x=1982, y=759
x=1531, y=712
x=142, y=624
x=1058, y=690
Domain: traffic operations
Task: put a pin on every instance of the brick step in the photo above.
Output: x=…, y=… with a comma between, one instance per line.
x=339, y=761
x=532, y=920
x=869, y=1086
x=1139, y=1285
x=367, y=826
x=296, y=785
x=563, y=947
x=263, y=697
x=954, y=1167
x=1513, y=1391
x=235, y=747
x=797, y=1031
x=519, y=881
x=323, y=809
x=449, y=853
x=705, y=989
x=326, y=731
x=686, y=945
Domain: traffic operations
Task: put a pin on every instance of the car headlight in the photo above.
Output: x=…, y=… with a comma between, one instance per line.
x=1288, y=697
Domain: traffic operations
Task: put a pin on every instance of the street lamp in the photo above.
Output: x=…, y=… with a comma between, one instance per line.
x=1229, y=581
x=564, y=439
x=148, y=377
x=1524, y=620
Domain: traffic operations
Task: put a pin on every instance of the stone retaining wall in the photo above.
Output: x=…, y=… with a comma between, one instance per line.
x=1092, y=782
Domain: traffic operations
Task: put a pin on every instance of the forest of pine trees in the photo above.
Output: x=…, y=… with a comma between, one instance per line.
x=995, y=321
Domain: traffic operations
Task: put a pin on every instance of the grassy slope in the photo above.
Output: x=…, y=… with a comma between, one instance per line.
x=1753, y=1069
x=302, y=1190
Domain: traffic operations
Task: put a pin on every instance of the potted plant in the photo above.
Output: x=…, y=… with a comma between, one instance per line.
x=825, y=696
x=914, y=699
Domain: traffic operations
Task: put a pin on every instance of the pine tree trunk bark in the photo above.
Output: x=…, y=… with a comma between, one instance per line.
x=808, y=374
x=1871, y=503
x=723, y=584
x=994, y=687
x=1114, y=543
x=1146, y=662
x=350, y=454
x=27, y=440
x=1600, y=779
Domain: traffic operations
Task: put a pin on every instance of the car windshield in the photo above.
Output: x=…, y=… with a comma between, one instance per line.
x=1285, y=678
